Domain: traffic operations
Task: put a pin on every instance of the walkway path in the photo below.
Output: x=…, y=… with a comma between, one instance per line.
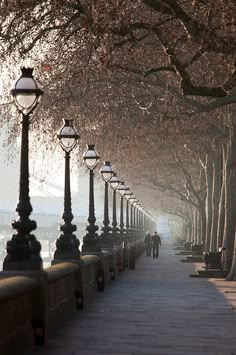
x=155, y=309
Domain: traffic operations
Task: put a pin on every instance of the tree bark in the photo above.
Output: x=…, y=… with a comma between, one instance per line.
x=230, y=205
x=209, y=177
x=199, y=228
x=221, y=218
x=194, y=225
x=202, y=212
x=215, y=201
x=190, y=222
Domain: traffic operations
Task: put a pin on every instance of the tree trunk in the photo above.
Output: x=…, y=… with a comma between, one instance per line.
x=189, y=233
x=202, y=213
x=199, y=228
x=215, y=201
x=185, y=229
x=195, y=225
x=202, y=206
x=230, y=206
x=209, y=176
x=190, y=222
x=221, y=219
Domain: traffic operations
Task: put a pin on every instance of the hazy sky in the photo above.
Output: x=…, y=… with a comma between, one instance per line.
x=50, y=186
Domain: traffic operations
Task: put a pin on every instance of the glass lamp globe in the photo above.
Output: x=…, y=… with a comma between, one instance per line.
x=122, y=188
x=90, y=156
x=68, y=136
x=128, y=194
x=132, y=199
x=26, y=93
x=106, y=171
x=114, y=181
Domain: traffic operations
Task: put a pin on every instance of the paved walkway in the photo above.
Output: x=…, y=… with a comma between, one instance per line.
x=155, y=309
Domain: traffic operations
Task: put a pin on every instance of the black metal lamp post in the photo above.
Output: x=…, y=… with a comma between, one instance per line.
x=91, y=241
x=106, y=238
x=128, y=230
x=142, y=220
x=134, y=218
x=23, y=250
x=122, y=189
x=132, y=227
x=145, y=220
x=114, y=183
x=67, y=245
x=138, y=204
x=136, y=221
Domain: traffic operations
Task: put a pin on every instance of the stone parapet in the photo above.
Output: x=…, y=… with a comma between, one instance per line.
x=16, y=298
x=32, y=304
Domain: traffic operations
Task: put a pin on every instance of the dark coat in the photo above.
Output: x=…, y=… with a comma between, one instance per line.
x=147, y=239
x=156, y=240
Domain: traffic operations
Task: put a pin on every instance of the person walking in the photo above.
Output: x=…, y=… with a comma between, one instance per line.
x=147, y=241
x=155, y=244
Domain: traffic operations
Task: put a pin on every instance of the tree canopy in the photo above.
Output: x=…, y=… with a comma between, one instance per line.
x=151, y=82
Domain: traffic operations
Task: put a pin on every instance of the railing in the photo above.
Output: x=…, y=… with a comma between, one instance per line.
x=32, y=304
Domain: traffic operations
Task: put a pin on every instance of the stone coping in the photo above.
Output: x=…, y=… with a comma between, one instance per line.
x=59, y=270
x=13, y=286
x=108, y=252
x=89, y=259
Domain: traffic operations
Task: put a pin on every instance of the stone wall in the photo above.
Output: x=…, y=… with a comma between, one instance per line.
x=32, y=304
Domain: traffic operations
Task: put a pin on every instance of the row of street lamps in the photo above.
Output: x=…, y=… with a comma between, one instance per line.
x=23, y=250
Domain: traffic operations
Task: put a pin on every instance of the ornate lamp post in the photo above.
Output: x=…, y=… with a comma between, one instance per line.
x=142, y=220
x=23, y=250
x=123, y=231
x=91, y=241
x=67, y=245
x=106, y=239
x=145, y=221
x=128, y=230
x=114, y=183
x=132, y=227
x=139, y=234
x=134, y=218
x=122, y=189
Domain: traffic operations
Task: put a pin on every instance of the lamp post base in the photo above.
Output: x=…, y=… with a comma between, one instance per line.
x=67, y=245
x=91, y=243
x=91, y=248
x=60, y=257
x=106, y=242
x=117, y=240
x=23, y=253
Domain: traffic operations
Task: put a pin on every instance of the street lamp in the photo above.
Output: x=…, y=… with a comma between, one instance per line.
x=128, y=230
x=141, y=220
x=23, y=250
x=91, y=241
x=136, y=218
x=132, y=221
x=67, y=245
x=114, y=183
x=122, y=189
x=145, y=220
x=138, y=221
x=106, y=172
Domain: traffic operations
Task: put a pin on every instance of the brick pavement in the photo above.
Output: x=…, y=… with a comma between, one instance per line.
x=155, y=309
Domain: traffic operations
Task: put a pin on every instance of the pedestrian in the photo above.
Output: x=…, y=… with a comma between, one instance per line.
x=147, y=241
x=155, y=244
